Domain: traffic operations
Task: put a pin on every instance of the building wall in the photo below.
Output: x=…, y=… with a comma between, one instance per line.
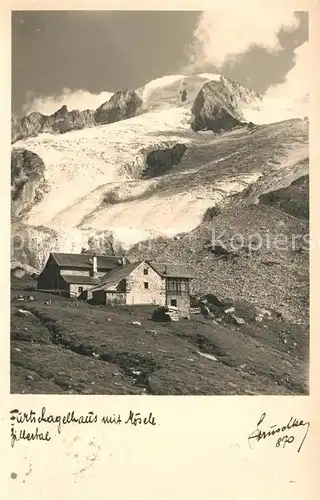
x=101, y=297
x=50, y=279
x=182, y=301
x=97, y=298
x=115, y=298
x=178, y=295
x=136, y=293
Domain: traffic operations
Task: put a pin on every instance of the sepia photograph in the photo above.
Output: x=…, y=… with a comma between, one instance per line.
x=160, y=202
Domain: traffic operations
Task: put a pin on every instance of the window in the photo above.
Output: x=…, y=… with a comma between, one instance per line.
x=177, y=286
x=145, y=272
x=80, y=289
x=146, y=286
x=174, y=302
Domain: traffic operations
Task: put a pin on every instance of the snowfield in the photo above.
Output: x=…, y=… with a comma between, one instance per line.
x=210, y=76
x=81, y=161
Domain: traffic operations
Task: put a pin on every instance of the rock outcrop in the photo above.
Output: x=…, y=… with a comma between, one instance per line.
x=124, y=104
x=27, y=180
x=218, y=106
x=293, y=199
x=63, y=121
x=161, y=160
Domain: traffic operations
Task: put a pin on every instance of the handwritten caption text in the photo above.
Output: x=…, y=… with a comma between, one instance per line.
x=41, y=420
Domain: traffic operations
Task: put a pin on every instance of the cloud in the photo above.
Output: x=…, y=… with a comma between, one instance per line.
x=241, y=40
x=79, y=99
x=221, y=36
x=292, y=96
x=298, y=78
x=289, y=99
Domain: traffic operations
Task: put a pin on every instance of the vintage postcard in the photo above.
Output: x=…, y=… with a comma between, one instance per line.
x=160, y=250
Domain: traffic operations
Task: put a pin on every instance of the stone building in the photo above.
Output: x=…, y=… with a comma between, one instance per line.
x=145, y=283
x=72, y=274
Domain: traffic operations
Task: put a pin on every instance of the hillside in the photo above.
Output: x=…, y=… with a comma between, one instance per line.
x=63, y=349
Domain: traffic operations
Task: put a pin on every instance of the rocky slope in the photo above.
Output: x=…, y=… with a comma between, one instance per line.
x=253, y=252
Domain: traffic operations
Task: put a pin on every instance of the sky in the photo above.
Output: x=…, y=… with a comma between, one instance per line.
x=79, y=57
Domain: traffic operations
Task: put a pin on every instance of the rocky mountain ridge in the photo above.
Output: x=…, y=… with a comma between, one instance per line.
x=227, y=95
x=123, y=104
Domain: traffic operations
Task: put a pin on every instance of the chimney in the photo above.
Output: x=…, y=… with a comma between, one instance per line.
x=94, y=266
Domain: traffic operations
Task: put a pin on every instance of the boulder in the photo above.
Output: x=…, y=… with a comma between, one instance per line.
x=18, y=272
x=238, y=321
x=230, y=310
x=151, y=331
x=214, y=300
x=206, y=355
x=205, y=310
x=23, y=312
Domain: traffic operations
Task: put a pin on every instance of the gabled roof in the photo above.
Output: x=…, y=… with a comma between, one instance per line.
x=115, y=276
x=171, y=270
x=84, y=261
x=80, y=280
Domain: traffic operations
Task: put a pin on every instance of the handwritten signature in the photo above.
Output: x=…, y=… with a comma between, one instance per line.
x=284, y=432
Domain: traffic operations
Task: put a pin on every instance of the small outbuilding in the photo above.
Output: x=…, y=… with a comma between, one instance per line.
x=72, y=274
